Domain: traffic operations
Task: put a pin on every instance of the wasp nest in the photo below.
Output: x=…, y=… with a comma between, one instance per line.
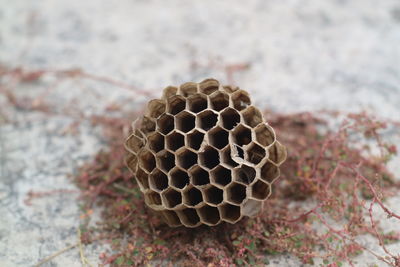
x=203, y=154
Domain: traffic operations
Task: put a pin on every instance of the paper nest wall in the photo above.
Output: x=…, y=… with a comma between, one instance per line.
x=203, y=154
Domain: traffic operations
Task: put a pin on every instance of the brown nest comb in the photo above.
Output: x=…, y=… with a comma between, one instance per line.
x=202, y=154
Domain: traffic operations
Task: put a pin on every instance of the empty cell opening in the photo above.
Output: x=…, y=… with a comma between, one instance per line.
x=148, y=125
x=207, y=120
x=179, y=178
x=260, y=190
x=213, y=195
x=158, y=180
x=245, y=174
x=169, y=91
x=269, y=172
x=134, y=143
x=193, y=197
x=147, y=160
x=188, y=89
x=277, y=153
x=166, y=160
x=131, y=161
x=252, y=116
x=209, y=214
x=156, y=142
x=255, y=154
x=176, y=104
x=242, y=135
x=142, y=178
x=241, y=100
x=230, y=118
x=185, y=122
x=187, y=159
x=222, y=176
x=172, y=198
x=218, y=137
x=264, y=135
x=219, y=101
x=189, y=217
x=175, y=140
x=165, y=123
x=195, y=139
x=155, y=108
x=227, y=158
x=236, y=193
x=171, y=217
x=153, y=198
x=197, y=103
x=200, y=176
x=209, y=158
x=209, y=86
x=230, y=212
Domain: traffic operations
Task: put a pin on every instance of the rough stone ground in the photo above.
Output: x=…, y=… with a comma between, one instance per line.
x=302, y=56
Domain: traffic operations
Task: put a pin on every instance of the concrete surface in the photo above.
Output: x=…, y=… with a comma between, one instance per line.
x=302, y=55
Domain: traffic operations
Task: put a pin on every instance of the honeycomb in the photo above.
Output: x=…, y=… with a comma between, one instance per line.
x=203, y=154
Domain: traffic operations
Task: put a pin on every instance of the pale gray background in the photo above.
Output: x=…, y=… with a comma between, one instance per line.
x=303, y=55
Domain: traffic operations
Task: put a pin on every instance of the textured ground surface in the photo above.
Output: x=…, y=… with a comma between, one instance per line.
x=302, y=55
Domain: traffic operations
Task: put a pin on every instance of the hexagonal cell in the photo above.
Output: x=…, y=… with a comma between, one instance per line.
x=230, y=213
x=165, y=123
x=252, y=116
x=178, y=178
x=218, y=137
x=209, y=215
x=230, y=118
x=192, y=197
x=244, y=174
x=241, y=99
x=155, y=108
x=277, y=153
x=209, y=158
x=236, y=193
x=207, y=119
x=176, y=104
x=260, y=190
x=208, y=86
x=185, y=121
x=226, y=157
x=169, y=91
x=265, y=135
x=241, y=135
x=213, y=195
x=175, y=140
x=199, y=176
x=254, y=153
x=165, y=160
x=251, y=207
x=197, y=102
x=158, y=180
x=230, y=89
x=152, y=198
x=188, y=89
x=148, y=125
x=146, y=160
x=194, y=139
x=171, y=198
x=221, y=176
x=133, y=143
x=131, y=161
x=186, y=158
x=219, y=100
x=171, y=218
x=189, y=217
x=156, y=142
x=269, y=172
x=142, y=178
